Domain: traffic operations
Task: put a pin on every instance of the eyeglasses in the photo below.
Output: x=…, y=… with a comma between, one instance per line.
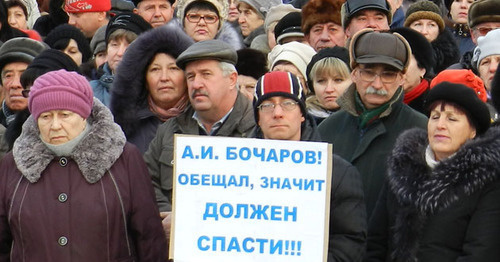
x=26, y=93
x=195, y=18
x=484, y=30
x=386, y=77
x=285, y=105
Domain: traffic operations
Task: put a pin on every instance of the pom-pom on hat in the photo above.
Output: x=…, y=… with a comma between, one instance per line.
x=278, y=83
x=82, y=6
x=465, y=97
x=462, y=76
x=61, y=90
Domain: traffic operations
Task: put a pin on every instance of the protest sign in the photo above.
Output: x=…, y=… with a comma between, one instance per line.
x=242, y=199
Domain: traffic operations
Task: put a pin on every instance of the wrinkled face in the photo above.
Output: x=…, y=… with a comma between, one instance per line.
x=155, y=12
x=60, y=126
x=448, y=129
x=428, y=28
x=165, y=81
x=233, y=14
x=413, y=79
x=201, y=24
x=208, y=88
x=87, y=22
x=326, y=35
x=16, y=18
x=72, y=51
x=11, y=76
x=247, y=86
x=374, y=19
x=487, y=68
x=459, y=11
x=115, y=51
x=329, y=88
x=283, y=122
x=285, y=66
x=249, y=19
x=373, y=90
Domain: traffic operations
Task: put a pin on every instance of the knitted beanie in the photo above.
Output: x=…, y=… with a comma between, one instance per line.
x=462, y=76
x=222, y=7
x=487, y=45
x=277, y=83
x=465, y=97
x=66, y=31
x=82, y=6
x=320, y=12
x=334, y=52
x=261, y=6
x=298, y=54
x=61, y=90
x=424, y=10
x=482, y=11
x=127, y=21
x=251, y=62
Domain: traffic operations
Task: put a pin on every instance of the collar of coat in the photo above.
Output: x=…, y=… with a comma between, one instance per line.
x=427, y=190
x=94, y=155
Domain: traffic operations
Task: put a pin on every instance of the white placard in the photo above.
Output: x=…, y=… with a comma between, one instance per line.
x=242, y=199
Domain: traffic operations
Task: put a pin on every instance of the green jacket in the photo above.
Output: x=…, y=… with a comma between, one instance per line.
x=159, y=157
x=367, y=149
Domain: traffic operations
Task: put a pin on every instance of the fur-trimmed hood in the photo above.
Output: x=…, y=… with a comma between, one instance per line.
x=129, y=94
x=421, y=192
x=94, y=155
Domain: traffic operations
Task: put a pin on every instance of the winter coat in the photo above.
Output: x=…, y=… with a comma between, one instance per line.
x=160, y=154
x=258, y=31
x=3, y=143
x=367, y=149
x=446, y=51
x=129, y=95
x=102, y=87
x=461, y=33
x=449, y=213
x=347, y=234
x=95, y=205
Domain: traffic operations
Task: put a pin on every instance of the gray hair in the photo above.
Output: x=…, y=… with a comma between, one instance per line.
x=227, y=68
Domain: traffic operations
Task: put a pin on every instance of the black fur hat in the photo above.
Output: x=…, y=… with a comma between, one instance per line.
x=495, y=90
x=251, y=62
x=420, y=48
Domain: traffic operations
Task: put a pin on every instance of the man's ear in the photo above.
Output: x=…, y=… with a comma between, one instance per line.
x=233, y=78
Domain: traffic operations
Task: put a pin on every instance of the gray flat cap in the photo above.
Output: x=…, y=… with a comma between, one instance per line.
x=209, y=49
x=20, y=49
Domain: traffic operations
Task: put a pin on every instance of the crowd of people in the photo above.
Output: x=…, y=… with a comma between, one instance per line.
x=93, y=92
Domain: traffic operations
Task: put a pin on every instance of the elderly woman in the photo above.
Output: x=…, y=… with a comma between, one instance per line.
x=329, y=76
x=441, y=201
x=149, y=88
x=73, y=189
x=206, y=20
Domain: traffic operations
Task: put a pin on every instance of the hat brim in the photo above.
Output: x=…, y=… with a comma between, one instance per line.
x=379, y=59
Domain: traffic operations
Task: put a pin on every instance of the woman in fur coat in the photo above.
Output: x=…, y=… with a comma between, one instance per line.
x=149, y=88
x=73, y=189
x=441, y=199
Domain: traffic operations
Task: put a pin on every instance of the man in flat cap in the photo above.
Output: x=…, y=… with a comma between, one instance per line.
x=217, y=109
x=360, y=14
x=372, y=111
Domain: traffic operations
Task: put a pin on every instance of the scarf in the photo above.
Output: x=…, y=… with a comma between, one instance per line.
x=165, y=114
x=416, y=91
x=9, y=115
x=368, y=116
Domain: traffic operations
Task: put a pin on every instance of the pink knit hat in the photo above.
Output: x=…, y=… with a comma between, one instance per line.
x=61, y=90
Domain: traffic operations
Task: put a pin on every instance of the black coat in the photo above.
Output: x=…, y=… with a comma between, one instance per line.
x=445, y=51
x=449, y=213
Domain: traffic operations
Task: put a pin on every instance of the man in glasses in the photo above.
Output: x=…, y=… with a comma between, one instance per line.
x=280, y=113
x=372, y=111
x=483, y=16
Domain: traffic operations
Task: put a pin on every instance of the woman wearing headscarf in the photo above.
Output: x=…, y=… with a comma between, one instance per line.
x=441, y=199
x=73, y=189
x=149, y=88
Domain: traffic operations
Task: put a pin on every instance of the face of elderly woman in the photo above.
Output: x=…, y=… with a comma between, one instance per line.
x=448, y=129
x=201, y=24
x=60, y=126
x=165, y=81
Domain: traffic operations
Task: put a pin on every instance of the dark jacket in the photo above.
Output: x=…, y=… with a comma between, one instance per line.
x=347, y=234
x=129, y=94
x=449, y=213
x=367, y=149
x=159, y=157
x=95, y=205
x=446, y=51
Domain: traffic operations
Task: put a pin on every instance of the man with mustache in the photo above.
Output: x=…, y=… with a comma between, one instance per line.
x=217, y=109
x=372, y=111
